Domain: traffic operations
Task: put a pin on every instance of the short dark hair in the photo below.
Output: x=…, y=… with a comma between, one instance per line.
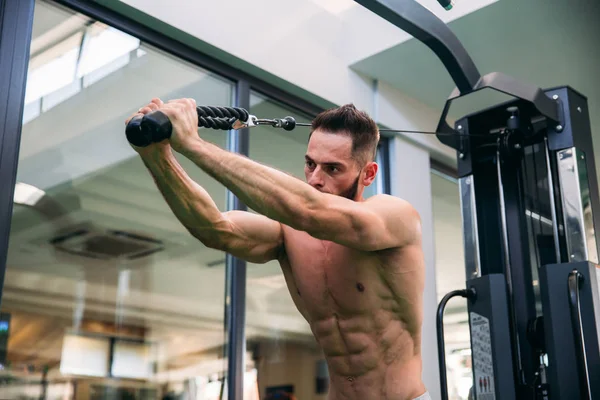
x=355, y=123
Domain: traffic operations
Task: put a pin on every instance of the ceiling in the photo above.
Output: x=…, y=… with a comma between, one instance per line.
x=546, y=43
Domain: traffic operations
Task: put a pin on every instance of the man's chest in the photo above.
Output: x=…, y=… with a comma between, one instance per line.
x=332, y=278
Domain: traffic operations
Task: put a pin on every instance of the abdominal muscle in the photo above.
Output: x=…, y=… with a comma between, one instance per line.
x=366, y=362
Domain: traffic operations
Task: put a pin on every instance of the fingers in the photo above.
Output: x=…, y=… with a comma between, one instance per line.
x=175, y=107
x=169, y=107
x=141, y=112
x=186, y=101
x=154, y=105
x=132, y=117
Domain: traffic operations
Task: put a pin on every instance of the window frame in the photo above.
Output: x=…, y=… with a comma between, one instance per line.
x=16, y=24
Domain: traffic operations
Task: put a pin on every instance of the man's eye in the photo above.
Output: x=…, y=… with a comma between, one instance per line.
x=310, y=164
x=333, y=169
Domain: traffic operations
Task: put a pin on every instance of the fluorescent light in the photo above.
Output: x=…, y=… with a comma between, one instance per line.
x=27, y=195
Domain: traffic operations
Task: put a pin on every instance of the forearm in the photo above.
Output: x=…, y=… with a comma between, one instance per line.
x=190, y=203
x=266, y=190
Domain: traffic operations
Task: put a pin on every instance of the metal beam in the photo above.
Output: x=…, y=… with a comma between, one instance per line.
x=423, y=25
x=235, y=269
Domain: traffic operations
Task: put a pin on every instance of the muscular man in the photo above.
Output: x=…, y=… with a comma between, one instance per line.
x=354, y=267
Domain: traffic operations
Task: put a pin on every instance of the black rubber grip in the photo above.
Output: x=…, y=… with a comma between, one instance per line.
x=153, y=127
x=156, y=126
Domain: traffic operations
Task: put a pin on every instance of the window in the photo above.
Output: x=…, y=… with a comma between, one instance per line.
x=106, y=295
x=62, y=68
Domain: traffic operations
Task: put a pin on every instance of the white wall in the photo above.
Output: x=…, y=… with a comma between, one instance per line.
x=411, y=180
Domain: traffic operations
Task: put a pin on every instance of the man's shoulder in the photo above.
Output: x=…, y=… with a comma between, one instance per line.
x=392, y=203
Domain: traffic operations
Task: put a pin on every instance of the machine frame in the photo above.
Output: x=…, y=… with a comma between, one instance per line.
x=529, y=203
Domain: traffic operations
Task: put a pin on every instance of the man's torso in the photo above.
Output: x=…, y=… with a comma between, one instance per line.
x=364, y=310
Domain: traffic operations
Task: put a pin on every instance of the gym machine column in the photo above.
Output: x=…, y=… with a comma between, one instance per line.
x=529, y=199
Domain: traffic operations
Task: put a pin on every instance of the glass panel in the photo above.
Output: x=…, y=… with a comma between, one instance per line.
x=288, y=359
x=101, y=46
x=277, y=335
x=450, y=275
x=58, y=62
x=106, y=294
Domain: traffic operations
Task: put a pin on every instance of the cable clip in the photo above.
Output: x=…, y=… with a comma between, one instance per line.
x=250, y=122
x=287, y=123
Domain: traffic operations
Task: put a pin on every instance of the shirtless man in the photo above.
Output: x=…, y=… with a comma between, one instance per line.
x=354, y=267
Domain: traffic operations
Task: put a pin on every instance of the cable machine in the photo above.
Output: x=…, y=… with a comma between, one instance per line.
x=529, y=200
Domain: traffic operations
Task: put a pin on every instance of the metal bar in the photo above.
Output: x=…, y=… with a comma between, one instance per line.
x=235, y=269
x=552, y=202
x=572, y=205
x=503, y=224
x=468, y=207
x=508, y=271
x=111, y=356
x=423, y=25
x=16, y=21
x=440, y=335
x=157, y=39
x=574, y=280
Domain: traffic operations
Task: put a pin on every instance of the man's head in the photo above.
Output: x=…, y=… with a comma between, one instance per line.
x=340, y=158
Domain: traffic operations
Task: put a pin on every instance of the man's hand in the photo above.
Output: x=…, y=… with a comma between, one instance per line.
x=184, y=119
x=153, y=149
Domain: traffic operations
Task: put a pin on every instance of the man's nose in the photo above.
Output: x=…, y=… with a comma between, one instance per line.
x=316, y=178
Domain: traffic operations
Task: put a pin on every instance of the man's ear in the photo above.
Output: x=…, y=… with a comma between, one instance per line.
x=370, y=171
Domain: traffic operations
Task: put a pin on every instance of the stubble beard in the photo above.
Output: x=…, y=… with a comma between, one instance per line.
x=350, y=192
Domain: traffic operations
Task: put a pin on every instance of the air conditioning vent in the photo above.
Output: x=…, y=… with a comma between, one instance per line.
x=106, y=244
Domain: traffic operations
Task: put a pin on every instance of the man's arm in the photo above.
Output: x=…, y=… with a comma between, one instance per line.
x=253, y=238
x=381, y=222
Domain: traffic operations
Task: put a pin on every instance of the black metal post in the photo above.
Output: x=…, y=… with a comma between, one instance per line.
x=440, y=336
x=16, y=21
x=519, y=274
x=235, y=275
x=111, y=355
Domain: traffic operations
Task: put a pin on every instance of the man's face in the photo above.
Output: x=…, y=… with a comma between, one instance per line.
x=330, y=168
